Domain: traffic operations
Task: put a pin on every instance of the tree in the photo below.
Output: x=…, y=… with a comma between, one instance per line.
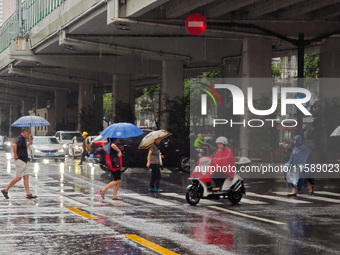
x=276, y=72
x=311, y=65
x=107, y=105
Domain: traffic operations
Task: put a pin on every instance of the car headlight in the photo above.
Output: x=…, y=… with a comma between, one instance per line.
x=79, y=147
x=8, y=143
x=36, y=150
x=60, y=150
x=64, y=145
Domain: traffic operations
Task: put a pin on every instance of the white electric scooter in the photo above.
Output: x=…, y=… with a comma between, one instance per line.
x=232, y=188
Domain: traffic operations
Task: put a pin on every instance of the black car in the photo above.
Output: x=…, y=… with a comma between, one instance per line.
x=176, y=155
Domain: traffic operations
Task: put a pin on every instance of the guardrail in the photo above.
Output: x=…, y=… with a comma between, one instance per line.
x=33, y=12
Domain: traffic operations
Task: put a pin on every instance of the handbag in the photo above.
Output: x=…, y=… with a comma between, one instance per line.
x=113, y=162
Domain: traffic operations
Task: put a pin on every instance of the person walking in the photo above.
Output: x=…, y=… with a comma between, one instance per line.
x=116, y=175
x=20, y=161
x=86, y=147
x=154, y=163
x=301, y=156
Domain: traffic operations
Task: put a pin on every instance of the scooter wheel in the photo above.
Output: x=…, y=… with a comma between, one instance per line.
x=235, y=197
x=192, y=197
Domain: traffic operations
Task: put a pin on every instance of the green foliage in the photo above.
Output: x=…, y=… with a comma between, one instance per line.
x=213, y=74
x=311, y=65
x=151, y=90
x=276, y=71
x=148, y=93
x=107, y=105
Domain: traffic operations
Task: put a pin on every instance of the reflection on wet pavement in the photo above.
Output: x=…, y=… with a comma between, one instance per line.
x=47, y=225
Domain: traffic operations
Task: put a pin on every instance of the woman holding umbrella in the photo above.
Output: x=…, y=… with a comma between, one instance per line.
x=116, y=175
x=152, y=141
x=114, y=132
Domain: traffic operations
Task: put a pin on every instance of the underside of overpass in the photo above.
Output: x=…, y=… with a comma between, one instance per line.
x=69, y=56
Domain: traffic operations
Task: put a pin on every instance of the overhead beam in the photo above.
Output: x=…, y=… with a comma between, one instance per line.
x=223, y=7
x=117, y=49
x=266, y=7
x=7, y=80
x=305, y=7
x=140, y=7
x=328, y=12
x=51, y=77
x=179, y=7
x=146, y=82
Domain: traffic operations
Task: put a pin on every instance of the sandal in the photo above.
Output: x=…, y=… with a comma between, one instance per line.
x=5, y=194
x=102, y=194
x=30, y=196
x=116, y=198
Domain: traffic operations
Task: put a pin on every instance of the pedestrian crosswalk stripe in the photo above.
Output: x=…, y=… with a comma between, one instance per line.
x=247, y=215
x=252, y=202
x=326, y=199
x=281, y=199
x=331, y=200
x=151, y=200
x=66, y=200
x=82, y=213
x=328, y=193
x=151, y=245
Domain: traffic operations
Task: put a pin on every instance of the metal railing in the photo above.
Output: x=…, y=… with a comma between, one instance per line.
x=33, y=11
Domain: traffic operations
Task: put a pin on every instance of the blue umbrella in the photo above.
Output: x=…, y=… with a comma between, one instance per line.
x=30, y=121
x=121, y=130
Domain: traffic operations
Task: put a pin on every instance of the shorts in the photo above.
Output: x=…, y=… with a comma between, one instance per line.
x=116, y=175
x=21, y=168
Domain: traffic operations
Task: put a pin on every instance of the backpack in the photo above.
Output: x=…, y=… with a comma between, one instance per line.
x=113, y=162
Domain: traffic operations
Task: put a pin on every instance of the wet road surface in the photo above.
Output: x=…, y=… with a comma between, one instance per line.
x=69, y=217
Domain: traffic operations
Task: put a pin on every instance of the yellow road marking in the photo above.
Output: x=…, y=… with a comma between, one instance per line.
x=248, y=216
x=150, y=245
x=81, y=213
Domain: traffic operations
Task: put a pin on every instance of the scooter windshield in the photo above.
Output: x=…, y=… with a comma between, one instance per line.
x=222, y=162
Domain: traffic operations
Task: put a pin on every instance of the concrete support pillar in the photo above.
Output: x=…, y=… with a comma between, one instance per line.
x=98, y=108
x=85, y=104
x=256, y=63
x=123, y=100
x=172, y=86
x=59, y=117
x=231, y=68
x=329, y=68
x=329, y=89
x=15, y=112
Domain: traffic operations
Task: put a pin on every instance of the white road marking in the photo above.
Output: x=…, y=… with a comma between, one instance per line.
x=327, y=193
x=281, y=199
x=247, y=216
x=326, y=199
x=71, y=202
x=148, y=199
x=252, y=202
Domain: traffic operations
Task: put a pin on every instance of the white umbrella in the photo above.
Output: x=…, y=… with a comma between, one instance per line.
x=336, y=132
x=150, y=138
